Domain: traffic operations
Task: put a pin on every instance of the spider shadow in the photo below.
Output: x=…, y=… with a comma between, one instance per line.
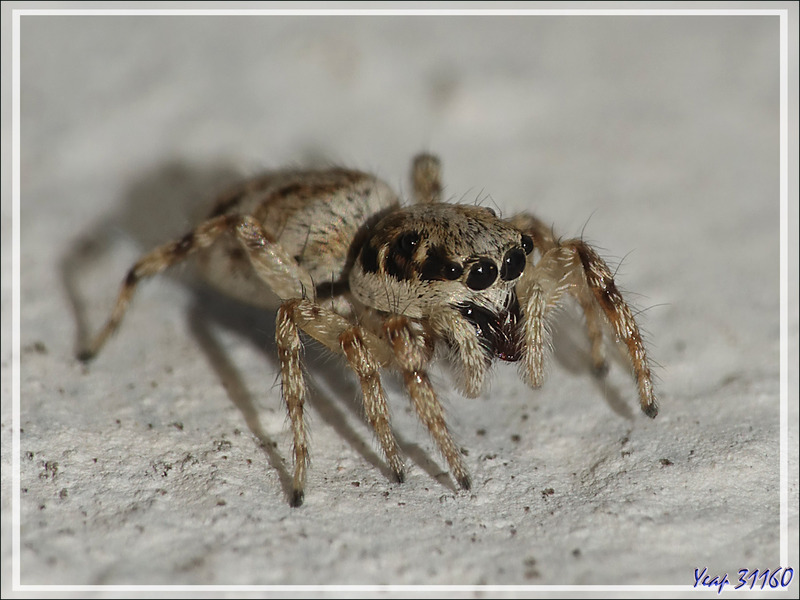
x=156, y=208
x=180, y=195
x=328, y=389
x=571, y=351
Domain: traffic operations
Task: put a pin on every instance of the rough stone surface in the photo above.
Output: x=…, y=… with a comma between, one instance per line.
x=165, y=461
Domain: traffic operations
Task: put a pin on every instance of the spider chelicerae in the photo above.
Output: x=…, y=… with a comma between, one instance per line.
x=384, y=285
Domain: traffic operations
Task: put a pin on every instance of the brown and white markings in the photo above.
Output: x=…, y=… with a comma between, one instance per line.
x=384, y=285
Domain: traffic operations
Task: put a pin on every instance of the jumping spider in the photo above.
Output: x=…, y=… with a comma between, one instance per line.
x=383, y=285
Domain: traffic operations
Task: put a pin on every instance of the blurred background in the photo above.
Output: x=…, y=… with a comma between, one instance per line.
x=656, y=138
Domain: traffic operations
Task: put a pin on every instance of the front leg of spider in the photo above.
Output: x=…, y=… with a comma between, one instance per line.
x=573, y=267
x=412, y=353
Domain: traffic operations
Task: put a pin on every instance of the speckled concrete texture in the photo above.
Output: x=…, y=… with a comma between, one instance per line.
x=166, y=460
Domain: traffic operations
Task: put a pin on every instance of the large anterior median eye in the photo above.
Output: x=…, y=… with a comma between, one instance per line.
x=513, y=264
x=482, y=274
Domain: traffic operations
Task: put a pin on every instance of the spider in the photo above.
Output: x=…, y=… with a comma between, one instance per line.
x=384, y=285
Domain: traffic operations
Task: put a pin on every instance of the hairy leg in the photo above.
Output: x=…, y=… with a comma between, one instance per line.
x=272, y=264
x=601, y=283
x=469, y=356
x=413, y=352
x=574, y=267
x=363, y=353
x=544, y=240
x=426, y=179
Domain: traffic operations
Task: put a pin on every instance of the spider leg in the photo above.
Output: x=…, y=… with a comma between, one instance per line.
x=412, y=352
x=366, y=367
x=544, y=240
x=594, y=328
x=293, y=391
x=272, y=264
x=426, y=179
x=362, y=351
x=601, y=283
x=574, y=267
x=469, y=355
x=540, y=290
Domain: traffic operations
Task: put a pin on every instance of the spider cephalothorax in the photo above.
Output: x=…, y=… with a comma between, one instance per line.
x=382, y=285
x=420, y=259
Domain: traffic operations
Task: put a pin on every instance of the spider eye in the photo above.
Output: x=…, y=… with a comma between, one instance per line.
x=482, y=274
x=513, y=264
x=453, y=271
x=527, y=243
x=408, y=242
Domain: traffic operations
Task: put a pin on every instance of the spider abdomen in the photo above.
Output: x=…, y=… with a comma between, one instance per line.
x=318, y=217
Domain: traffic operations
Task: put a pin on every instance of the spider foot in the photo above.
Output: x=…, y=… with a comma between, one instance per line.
x=601, y=369
x=297, y=498
x=400, y=476
x=86, y=356
x=651, y=410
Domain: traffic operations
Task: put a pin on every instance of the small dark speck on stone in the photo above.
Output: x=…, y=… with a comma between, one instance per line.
x=548, y=492
x=481, y=432
x=666, y=462
x=515, y=438
x=355, y=483
x=37, y=347
x=531, y=572
x=222, y=445
x=576, y=553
